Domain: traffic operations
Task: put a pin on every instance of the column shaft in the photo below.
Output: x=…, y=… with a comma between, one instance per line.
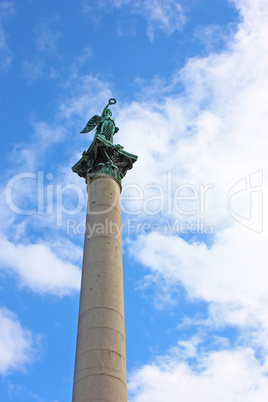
x=100, y=364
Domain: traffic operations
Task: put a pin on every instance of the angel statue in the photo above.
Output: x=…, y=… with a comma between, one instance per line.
x=105, y=123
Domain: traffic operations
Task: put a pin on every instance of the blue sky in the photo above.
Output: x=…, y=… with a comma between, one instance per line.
x=190, y=79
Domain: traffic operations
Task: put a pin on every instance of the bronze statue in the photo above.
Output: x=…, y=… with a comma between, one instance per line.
x=105, y=123
x=103, y=157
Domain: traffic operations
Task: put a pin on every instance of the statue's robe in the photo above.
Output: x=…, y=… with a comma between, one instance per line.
x=105, y=127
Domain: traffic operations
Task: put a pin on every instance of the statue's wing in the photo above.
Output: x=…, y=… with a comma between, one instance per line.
x=91, y=124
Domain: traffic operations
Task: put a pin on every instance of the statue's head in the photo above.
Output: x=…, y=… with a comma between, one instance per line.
x=108, y=113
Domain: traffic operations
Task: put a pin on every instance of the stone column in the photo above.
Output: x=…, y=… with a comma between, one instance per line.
x=100, y=364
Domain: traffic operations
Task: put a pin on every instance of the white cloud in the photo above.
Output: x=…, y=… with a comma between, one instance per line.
x=41, y=269
x=224, y=376
x=220, y=145
x=166, y=16
x=86, y=94
x=15, y=343
x=26, y=157
x=213, y=132
x=231, y=275
x=212, y=36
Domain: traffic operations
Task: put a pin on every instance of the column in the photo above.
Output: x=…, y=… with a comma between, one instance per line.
x=100, y=365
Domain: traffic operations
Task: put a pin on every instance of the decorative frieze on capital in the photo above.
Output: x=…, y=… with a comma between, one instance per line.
x=103, y=157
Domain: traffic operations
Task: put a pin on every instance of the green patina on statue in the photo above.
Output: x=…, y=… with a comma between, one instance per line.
x=103, y=157
x=105, y=123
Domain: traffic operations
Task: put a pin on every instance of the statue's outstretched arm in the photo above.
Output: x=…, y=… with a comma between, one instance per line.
x=104, y=110
x=111, y=101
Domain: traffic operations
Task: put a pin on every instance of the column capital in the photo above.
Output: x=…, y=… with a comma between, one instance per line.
x=104, y=158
